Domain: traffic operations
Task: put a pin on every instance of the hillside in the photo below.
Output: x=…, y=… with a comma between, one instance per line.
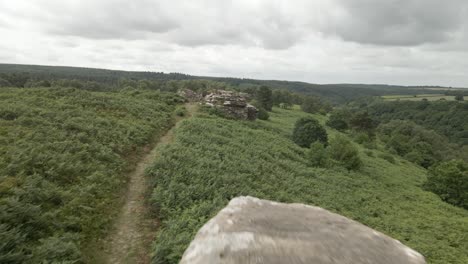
x=337, y=93
x=64, y=156
x=213, y=160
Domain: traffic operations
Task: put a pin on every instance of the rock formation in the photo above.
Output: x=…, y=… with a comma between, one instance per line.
x=190, y=96
x=232, y=104
x=250, y=230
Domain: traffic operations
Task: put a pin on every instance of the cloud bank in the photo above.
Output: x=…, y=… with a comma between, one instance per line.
x=323, y=41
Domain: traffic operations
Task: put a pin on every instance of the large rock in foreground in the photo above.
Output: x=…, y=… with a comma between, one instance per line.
x=250, y=230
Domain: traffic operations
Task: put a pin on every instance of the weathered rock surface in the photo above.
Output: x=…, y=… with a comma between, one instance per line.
x=250, y=230
x=190, y=96
x=232, y=104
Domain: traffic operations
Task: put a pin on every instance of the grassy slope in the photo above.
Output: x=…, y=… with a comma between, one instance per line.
x=63, y=156
x=213, y=160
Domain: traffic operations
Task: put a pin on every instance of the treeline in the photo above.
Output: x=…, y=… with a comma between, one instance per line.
x=84, y=74
x=63, y=158
x=264, y=97
x=446, y=118
x=335, y=93
x=416, y=143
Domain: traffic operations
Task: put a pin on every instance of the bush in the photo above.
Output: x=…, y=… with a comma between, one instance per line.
x=263, y=114
x=361, y=138
x=214, y=111
x=449, y=180
x=308, y=130
x=181, y=111
x=344, y=153
x=387, y=157
x=317, y=155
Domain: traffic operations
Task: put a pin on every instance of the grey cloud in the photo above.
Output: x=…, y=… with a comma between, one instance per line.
x=268, y=39
x=192, y=24
x=396, y=22
x=230, y=23
x=3, y=23
x=105, y=19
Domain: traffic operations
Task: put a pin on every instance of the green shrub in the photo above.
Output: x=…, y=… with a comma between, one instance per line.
x=55, y=249
x=308, y=130
x=317, y=155
x=361, y=138
x=180, y=111
x=449, y=180
x=369, y=153
x=387, y=157
x=214, y=111
x=344, y=153
x=263, y=114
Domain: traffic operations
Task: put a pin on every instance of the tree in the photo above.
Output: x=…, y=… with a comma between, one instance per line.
x=459, y=97
x=415, y=143
x=311, y=105
x=317, y=155
x=308, y=130
x=16, y=79
x=344, y=153
x=361, y=121
x=265, y=98
x=337, y=121
x=4, y=83
x=449, y=180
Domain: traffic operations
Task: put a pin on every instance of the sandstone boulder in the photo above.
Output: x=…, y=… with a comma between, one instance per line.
x=250, y=230
x=233, y=104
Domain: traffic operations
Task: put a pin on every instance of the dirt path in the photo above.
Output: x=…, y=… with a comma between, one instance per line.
x=135, y=229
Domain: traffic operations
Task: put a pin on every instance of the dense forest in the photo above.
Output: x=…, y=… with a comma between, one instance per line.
x=446, y=118
x=70, y=136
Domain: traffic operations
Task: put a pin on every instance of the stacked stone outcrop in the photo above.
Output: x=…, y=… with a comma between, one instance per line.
x=232, y=104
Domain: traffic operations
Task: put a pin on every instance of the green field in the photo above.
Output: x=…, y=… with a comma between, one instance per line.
x=418, y=97
x=213, y=160
x=64, y=154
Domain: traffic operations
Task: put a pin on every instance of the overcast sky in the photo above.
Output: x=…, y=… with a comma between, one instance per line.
x=411, y=42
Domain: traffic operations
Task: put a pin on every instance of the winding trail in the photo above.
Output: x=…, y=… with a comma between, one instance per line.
x=135, y=228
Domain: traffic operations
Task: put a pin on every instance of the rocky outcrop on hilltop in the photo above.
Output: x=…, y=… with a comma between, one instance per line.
x=233, y=104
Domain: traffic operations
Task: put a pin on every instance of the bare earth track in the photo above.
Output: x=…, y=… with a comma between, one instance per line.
x=135, y=228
